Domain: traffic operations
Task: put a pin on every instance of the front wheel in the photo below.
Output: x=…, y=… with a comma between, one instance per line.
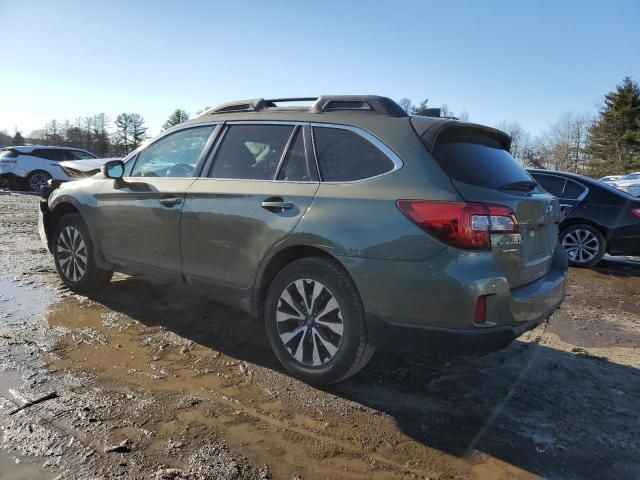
x=316, y=323
x=74, y=256
x=584, y=244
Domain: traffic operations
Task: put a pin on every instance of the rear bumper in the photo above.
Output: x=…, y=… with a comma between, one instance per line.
x=429, y=306
x=625, y=241
x=403, y=336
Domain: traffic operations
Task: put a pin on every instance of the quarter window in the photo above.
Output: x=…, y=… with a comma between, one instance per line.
x=295, y=167
x=572, y=190
x=251, y=152
x=175, y=155
x=345, y=156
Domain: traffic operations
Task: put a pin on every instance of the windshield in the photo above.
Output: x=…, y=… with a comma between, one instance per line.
x=80, y=155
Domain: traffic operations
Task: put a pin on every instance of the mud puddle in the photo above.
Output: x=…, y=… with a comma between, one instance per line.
x=22, y=301
x=17, y=468
x=200, y=394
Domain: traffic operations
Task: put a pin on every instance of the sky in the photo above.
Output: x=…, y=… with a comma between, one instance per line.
x=497, y=60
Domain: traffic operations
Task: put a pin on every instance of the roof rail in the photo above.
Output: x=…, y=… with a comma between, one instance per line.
x=326, y=103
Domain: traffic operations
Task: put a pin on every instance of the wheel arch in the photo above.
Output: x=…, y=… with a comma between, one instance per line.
x=277, y=261
x=584, y=221
x=65, y=206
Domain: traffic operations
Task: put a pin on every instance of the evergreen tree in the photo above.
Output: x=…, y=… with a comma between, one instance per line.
x=138, y=130
x=18, y=139
x=123, y=134
x=177, y=117
x=422, y=108
x=614, y=144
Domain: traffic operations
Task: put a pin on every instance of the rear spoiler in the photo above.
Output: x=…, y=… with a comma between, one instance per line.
x=436, y=130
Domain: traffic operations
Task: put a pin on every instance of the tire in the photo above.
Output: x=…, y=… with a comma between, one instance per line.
x=71, y=234
x=37, y=180
x=330, y=346
x=584, y=244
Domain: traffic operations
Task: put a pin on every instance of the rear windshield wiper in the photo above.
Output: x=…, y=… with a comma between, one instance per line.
x=521, y=186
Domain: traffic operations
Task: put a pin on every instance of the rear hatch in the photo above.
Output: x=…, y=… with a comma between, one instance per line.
x=482, y=170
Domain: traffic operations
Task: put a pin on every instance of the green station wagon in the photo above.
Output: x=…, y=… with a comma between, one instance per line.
x=345, y=225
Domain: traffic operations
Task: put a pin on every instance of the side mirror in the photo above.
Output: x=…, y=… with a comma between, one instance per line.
x=113, y=169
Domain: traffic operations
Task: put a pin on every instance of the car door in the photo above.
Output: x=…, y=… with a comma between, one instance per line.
x=257, y=186
x=138, y=216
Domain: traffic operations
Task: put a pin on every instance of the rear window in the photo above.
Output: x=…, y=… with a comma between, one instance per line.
x=479, y=165
x=345, y=156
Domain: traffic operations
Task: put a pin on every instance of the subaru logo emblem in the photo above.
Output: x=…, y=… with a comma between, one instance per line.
x=549, y=209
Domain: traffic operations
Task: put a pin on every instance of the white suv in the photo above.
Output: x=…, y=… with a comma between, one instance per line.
x=33, y=166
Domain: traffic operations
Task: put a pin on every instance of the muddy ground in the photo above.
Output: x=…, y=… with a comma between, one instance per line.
x=148, y=382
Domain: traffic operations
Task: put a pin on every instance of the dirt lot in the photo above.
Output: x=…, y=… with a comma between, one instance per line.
x=148, y=382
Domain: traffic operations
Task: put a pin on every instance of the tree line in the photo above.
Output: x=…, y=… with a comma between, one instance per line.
x=95, y=133
x=605, y=144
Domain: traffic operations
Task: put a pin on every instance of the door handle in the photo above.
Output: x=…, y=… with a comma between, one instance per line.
x=276, y=204
x=170, y=202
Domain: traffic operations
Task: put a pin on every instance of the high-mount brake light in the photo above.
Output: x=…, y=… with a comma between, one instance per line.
x=462, y=225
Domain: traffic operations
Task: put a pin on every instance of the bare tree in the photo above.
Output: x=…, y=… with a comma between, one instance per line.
x=563, y=145
x=521, y=147
x=407, y=105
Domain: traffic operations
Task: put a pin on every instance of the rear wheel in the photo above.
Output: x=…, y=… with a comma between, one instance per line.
x=315, y=321
x=37, y=180
x=584, y=244
x=74, y=256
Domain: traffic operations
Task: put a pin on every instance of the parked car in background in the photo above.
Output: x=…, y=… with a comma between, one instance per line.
x=346, y=225
x=597, y=218
x=629, y=183
x=610, y=179
x=31, y=167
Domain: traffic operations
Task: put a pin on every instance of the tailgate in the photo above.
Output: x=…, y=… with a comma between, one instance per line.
x=482, y=170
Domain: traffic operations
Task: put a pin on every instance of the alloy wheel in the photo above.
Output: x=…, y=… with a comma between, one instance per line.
x=309, y=322
x=72, y=253
x=38, y=181
x=581, y=245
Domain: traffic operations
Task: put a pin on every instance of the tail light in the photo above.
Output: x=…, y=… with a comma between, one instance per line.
x=462, y=225
x=636, y=211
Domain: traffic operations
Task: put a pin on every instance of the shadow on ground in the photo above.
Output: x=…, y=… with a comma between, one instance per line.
x=554, y=413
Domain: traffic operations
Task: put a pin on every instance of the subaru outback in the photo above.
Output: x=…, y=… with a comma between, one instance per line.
x=345, y=225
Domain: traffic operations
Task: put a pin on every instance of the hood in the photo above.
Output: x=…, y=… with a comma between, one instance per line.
x=83, y=168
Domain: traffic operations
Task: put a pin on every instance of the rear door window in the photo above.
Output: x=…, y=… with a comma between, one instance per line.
x=479, y=164
x=346, y=156
x=52, y=154
x=251, y=152
x=551, y=183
